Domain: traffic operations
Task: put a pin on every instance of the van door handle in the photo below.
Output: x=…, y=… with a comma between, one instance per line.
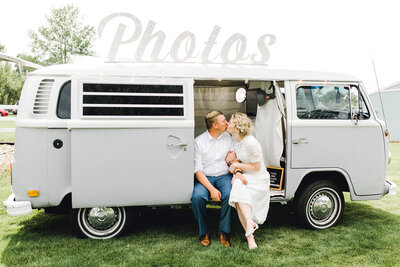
x=300, y=141
x=179, y=144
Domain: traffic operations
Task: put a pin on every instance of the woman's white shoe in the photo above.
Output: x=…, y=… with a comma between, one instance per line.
x=252, y=230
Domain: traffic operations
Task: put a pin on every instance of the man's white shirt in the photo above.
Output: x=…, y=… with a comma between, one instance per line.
x=210, y=153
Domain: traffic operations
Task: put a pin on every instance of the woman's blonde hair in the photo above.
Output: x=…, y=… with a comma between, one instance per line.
x=242, y=123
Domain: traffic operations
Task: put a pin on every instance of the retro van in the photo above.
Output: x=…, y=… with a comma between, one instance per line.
x=97, y=138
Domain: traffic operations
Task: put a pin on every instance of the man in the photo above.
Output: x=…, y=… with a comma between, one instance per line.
x=213, y=179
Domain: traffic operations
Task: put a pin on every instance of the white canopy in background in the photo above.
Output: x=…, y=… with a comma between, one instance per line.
x=20, y=62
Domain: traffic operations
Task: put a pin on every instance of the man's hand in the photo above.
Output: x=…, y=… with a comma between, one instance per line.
x=230, y=157
x=215, y=195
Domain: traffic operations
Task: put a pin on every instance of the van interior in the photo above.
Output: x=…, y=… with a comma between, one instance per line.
x=264, y=104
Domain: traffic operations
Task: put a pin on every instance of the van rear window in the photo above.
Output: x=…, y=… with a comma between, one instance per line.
x=132, y=100
x=64, y=101
x=116, y=111
x=132, y=88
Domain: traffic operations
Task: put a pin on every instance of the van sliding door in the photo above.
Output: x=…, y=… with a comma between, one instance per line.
x=132, y=142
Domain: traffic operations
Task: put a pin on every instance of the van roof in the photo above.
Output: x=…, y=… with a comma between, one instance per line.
x=197, y=71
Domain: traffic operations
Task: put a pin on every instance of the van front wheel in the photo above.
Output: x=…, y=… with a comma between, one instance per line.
x=99, y=222
x=319, y=205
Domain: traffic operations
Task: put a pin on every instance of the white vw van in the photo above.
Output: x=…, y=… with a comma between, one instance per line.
x=98, y=138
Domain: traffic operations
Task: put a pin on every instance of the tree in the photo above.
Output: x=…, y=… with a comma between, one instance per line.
x=64, y=35
x=11, y=84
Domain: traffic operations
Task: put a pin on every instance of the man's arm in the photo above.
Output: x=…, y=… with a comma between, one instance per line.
x=215, y=193
x=230, y=157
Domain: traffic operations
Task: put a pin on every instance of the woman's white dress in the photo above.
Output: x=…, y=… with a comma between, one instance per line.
x=256, y=192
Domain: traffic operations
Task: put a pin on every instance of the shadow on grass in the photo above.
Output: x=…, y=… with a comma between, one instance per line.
x=169, y=236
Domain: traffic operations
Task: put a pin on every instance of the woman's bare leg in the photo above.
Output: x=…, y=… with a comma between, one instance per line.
x=247, y=214
x=241, y=217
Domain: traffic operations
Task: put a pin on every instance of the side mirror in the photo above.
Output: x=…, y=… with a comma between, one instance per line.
x=355, y=116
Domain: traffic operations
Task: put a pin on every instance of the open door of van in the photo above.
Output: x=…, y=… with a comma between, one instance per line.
x=131, y=141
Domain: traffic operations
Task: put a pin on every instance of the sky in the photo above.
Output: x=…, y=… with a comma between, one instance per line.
x=337, y=36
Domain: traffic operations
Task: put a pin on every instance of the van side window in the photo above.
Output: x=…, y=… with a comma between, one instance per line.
x=132, y=100
x=358, y=106
x=64, y=101
x=329, y=102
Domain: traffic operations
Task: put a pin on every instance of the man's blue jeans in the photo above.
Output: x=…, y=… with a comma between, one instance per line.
x=201, y=196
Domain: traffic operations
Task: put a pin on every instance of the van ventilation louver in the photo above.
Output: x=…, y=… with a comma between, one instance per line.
x=42, y=97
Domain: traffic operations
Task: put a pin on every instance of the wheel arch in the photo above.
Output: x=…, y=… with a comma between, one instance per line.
x=64, y=207
x=338, y=177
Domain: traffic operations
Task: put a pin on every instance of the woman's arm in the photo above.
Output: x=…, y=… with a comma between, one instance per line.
x=245, y=167
x=253, y=148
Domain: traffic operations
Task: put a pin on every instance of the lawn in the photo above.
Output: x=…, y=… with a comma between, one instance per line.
x=368, y=235
x=5, y=136
x=7, y=124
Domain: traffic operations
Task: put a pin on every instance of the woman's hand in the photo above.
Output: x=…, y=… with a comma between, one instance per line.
x=245, y=167
x=240, y=177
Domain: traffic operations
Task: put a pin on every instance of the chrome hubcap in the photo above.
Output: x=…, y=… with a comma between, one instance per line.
x=323, y=208
x=101, y=218
x=102, y=221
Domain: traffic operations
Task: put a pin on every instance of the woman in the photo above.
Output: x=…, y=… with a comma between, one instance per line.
x=250, y=183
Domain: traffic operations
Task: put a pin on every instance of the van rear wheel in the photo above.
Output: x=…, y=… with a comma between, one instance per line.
x=99, y=222
x=319, y=205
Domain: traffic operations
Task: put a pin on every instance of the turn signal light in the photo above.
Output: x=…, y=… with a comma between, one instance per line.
x=11, y=172
x=33, y=193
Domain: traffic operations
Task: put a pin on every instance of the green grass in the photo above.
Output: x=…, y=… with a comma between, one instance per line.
x=368, y=235
x=7, y=137
x=7, y=124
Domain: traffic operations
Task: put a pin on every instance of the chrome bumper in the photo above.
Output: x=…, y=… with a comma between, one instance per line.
x=17, y=208
x=390, y=188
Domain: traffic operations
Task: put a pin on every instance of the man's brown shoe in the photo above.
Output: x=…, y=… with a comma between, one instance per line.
x=223, y=239
x=205, y=240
